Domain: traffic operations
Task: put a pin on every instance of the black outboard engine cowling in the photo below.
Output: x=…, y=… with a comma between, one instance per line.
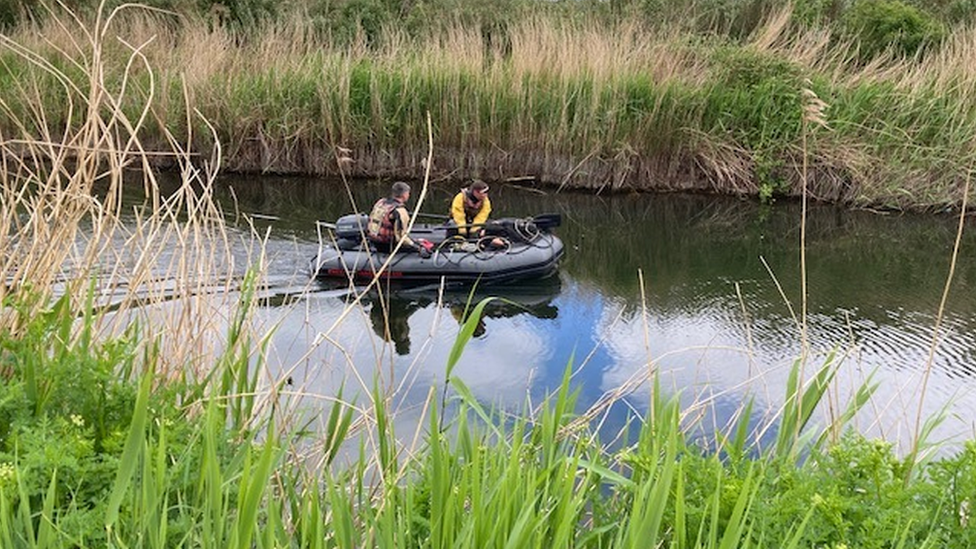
x=351, y=227
x=350, y=230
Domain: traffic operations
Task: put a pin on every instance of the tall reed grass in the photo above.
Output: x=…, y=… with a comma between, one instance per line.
x=64, y=168
x=577, y=104
x=542, y=478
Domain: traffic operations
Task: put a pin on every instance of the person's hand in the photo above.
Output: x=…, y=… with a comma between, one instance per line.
x=425, y=247
x=424, y=252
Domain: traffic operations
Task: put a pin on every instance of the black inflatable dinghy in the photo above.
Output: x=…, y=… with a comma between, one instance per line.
x=529, y=250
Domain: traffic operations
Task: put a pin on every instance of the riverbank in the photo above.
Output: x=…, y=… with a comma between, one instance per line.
x=561, y=105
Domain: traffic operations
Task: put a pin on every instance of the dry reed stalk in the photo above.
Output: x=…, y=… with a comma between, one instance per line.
x=459, y=48
x=918, y=432
x=542, y=47
x=726, y=165
x=171, y=266
x=196, y=69
x=772, y=31
x=806, y=47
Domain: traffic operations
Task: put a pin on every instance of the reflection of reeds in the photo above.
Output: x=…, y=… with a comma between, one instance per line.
x=579, y=104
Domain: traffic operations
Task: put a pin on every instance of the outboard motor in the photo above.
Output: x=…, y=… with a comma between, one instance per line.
x=352, y=226
x=350, y=230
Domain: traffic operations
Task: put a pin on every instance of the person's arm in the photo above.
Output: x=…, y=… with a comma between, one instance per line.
x=400, y=224
x=482, y=217
x=457, y=213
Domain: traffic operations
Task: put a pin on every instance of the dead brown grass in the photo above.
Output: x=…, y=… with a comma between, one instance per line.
x=550, y=108
x=166, y=263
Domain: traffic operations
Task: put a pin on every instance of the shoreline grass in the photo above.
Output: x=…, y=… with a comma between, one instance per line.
x=577, y=105
x=159, y=476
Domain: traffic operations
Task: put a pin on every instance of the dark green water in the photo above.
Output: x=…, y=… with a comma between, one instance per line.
x=716, y=315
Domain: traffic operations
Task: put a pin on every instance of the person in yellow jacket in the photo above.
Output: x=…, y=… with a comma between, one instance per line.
x=470, y=210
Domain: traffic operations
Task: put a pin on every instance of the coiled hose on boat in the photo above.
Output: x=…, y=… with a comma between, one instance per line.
x=524, y=231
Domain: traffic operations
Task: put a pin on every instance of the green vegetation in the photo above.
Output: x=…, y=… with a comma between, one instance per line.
x=92, y=455
x=625, y=95
x=135, y=463
x=879, y=25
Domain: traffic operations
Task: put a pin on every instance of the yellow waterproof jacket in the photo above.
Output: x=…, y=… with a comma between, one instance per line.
x=465, y=212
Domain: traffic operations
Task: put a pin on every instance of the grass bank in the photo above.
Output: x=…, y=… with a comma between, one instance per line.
x=96, y=451
x=563, y=102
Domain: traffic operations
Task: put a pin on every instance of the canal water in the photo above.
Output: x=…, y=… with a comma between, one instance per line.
x=702, y=291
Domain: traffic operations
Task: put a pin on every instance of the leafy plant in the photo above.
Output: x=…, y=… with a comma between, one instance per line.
x=882, y=25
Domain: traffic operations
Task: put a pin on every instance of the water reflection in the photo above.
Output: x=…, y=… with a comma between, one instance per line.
x=716, y=314
x=390, y=308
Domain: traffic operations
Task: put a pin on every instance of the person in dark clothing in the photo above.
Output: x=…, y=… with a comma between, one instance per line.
x=390, y=320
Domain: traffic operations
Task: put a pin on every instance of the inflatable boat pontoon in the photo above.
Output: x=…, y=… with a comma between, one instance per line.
x=530, y=250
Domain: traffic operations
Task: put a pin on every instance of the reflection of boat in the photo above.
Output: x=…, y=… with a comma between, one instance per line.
x=389, y=312
x=530, y=251
x=532, y=297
